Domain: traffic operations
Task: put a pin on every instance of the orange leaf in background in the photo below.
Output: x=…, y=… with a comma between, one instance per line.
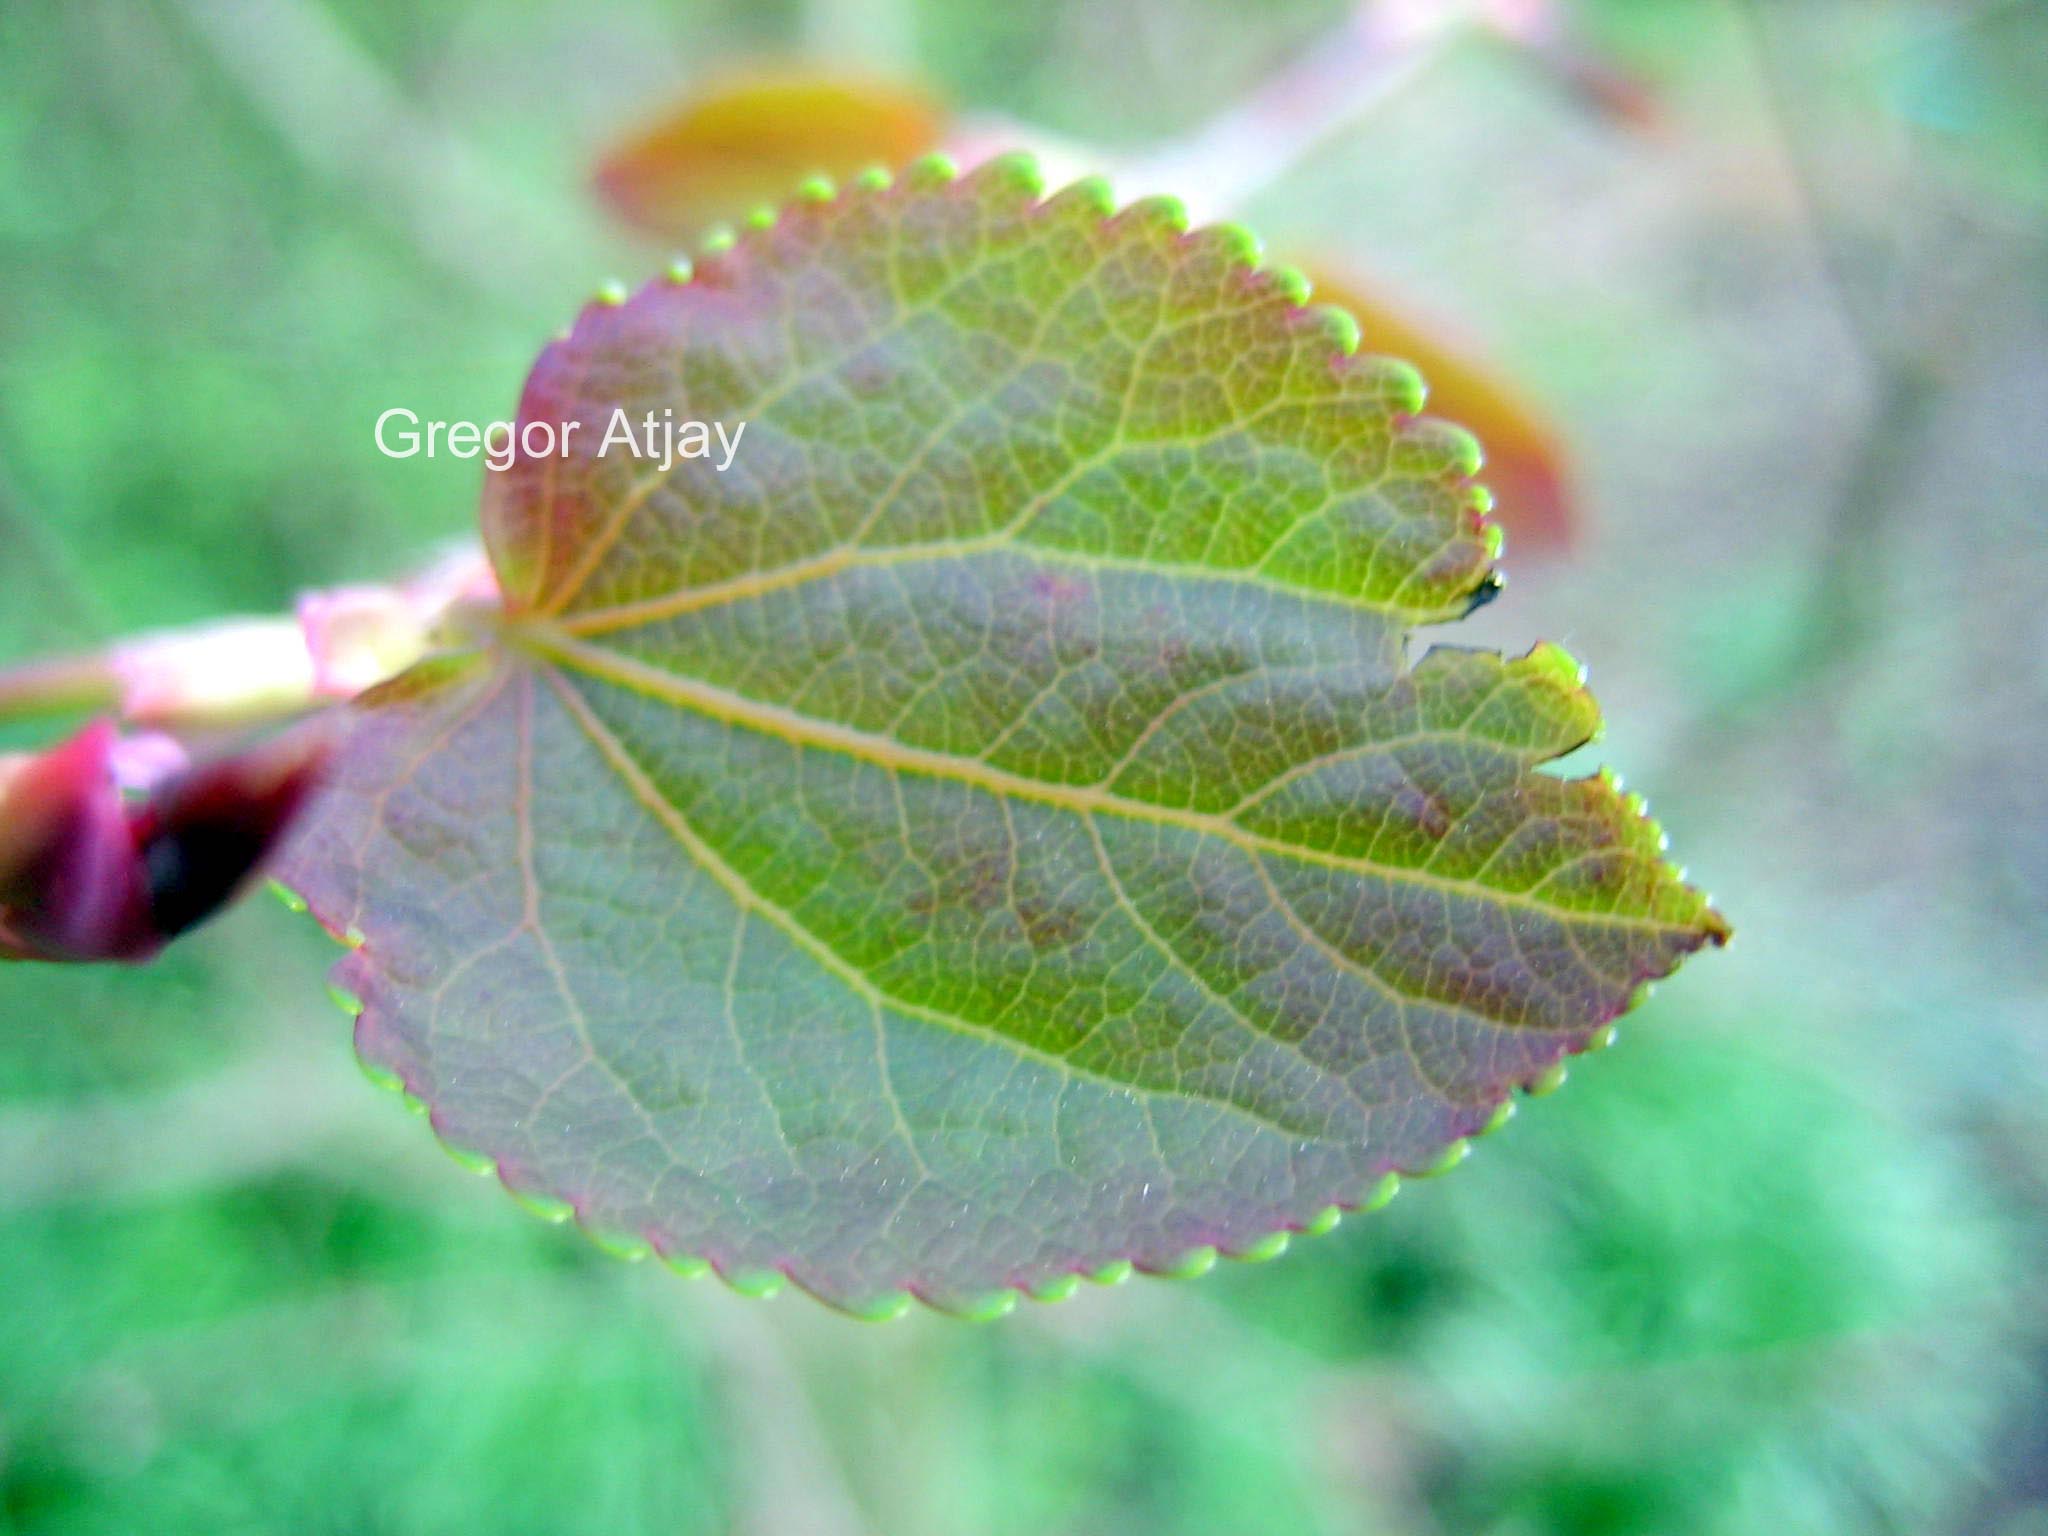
x=1526, y=466
x=740, y=143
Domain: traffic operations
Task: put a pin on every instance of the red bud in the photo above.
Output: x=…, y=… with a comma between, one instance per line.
x=85, y=876
x=71, y=886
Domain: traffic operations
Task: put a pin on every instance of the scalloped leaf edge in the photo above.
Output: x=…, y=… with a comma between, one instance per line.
x=1342, y=331
x=763, y=1284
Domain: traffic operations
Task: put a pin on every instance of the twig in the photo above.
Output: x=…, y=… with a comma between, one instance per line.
x=1222, y=164
x=62, y=685
x=239, y=671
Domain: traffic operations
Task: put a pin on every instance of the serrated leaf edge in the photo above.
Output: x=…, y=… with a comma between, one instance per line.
x=762, y=1284
x=1410, y=426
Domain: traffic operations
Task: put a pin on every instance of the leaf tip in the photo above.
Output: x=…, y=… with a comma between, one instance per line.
x=1090, y=192
x=1323, y=1222
x=1492, y=582
x=1340, y=326
x=760, y=1284
x=1291, y=283
x=1058, y=1288
x=932, y=170
x=686, y=1266
x=982, y=1309
x=1238, y=243
x=467, y=1160
x=882, y=1307
x=546, y=1207
x=1191, y=1265
x=1017, y=169
x=1161, y=212
x=629, y=1247
x=1553, y=660
x=1458, y=449
x=1400, y=384
x=1446, y=1160
x=1266, y=1249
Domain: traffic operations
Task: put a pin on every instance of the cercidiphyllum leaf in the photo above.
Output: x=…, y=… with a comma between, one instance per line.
x=992, y=833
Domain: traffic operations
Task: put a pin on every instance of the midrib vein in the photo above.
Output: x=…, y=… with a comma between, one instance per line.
x=549, y=642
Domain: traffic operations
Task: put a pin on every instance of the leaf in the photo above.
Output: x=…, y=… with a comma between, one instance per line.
x=736, y=144
x=1526, y=463
x=733, y=146
x=992, y=833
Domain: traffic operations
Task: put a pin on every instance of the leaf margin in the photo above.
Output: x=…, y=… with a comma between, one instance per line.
x=1341, y=330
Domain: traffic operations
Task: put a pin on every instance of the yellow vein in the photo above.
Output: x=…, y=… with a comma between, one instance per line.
x=772, y=394
x=849, y=552
x=743, y=895
x=1170, y=953
x=739, y=589
x=529, y=881
x=808, y=732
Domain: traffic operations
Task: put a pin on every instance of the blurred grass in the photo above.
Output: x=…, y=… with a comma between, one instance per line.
x=1767, y=1266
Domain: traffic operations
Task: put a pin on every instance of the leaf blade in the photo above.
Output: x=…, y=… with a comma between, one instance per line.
x=902, y=872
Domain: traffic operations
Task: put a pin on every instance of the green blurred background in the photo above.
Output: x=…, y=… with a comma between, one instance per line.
x=1773, y=1265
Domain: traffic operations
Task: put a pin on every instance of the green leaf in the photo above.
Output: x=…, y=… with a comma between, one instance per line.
x=992, y=832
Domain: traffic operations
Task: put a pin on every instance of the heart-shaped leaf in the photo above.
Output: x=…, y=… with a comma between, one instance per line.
x=992, y=832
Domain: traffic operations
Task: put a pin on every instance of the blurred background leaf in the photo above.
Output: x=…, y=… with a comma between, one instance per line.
x=741, y=144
